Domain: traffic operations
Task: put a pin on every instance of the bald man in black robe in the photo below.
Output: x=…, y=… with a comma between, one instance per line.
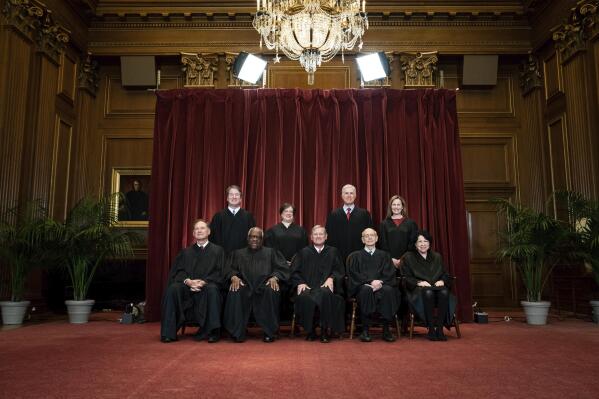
x=373, y=283
x=317, y=281
x=255, y=273
x=193, y=293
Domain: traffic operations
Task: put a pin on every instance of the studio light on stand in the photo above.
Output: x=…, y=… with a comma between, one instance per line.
x=373, y=66
x=248, y=67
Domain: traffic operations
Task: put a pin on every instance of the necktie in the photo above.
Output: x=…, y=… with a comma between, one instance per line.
x=348, y=213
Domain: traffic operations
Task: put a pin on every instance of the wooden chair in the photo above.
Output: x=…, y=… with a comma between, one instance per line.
x=455, y=322
x=354, y=307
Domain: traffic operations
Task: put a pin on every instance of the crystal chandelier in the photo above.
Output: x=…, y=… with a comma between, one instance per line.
x=311, y=31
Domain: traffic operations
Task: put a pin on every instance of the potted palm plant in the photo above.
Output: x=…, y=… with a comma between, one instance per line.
x=85, y=239
x=584, y=217
x=533, y=242
x=22, y=248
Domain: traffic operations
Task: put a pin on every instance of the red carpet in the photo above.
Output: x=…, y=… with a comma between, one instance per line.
x=104, y=359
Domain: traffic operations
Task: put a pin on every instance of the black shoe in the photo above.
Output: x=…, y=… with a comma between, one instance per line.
x=213, y=338
x=440, y=335
x=168, y=340
x=311, y=336
x=324, y=338
x=238, y=340
x=365, y=337
x=432, y=334
x=268, y=339
x=387, y=336
x=200, y=336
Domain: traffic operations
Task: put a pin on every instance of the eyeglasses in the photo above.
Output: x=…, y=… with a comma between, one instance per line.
x=368, y=235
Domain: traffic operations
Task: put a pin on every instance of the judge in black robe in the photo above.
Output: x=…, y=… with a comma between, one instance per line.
x=230, y=226
x=396, y=230
x=286, y=236
x=427, y=284
x=193, y=292
x=254, y=273
x=373, y=283
x=317, y=280
x=345, y=228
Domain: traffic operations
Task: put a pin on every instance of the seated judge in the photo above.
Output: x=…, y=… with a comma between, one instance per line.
x=255, y=273
x=396, y=230
x=345, y=225
x=427, y=285
x=373, y=283
x=193, y=292
x=230, y=226
x=317, y=277
x=286, y=236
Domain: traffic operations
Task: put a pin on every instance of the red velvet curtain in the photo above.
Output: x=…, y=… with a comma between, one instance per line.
x=302, y=146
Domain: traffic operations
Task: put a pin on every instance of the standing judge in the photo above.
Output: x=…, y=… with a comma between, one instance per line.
x=373, y=283
x=317, y=278
x=397, y=229
x=193, y=293
x=231, y=225
x=345, y=225
x=286, y=236
x=255, y=273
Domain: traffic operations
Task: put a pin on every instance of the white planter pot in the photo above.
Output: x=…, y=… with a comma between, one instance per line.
x=79, y=310
x=595, y=305
x=13, y=312
x=536, y=312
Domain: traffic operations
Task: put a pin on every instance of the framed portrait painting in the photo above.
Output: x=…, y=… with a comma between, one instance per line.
x=133, y=204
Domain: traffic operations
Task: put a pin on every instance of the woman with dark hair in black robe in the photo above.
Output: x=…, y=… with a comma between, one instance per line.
x=286, y=236
x=427, y=283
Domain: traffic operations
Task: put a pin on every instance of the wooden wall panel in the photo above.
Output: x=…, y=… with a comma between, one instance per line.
x=492, y=282
x=552, y=75
x=133, y=103
x=68, y=77
x=487, y=160
x=495, y=101
x=333, y=75
x=61, y=166
x=124, y=150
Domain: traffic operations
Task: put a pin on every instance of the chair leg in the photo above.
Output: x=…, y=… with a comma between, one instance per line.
x=292, y=333
x=183, y=330
x=411, y=325
x=398, y=327
x=457, y=326
x=352, y=326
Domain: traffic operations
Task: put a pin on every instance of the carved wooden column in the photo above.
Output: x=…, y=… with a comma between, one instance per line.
x=200, y=69
x=50, y=39
x=16, y=43
x=531, y=139
x=88, y=81
x=571, y=39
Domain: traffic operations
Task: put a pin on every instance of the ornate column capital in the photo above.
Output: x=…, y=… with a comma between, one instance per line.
x=571, y=36
x=88, y=77
x=530, y=74
x=199, y=69
x=419, y=68
x=34, y=20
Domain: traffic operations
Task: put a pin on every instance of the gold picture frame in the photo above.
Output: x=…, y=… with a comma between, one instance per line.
x=134, y=185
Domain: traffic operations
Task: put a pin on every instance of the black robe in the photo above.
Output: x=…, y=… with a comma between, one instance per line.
x=288, y=240
x=180, y=304
x=231, y=231
x=254, y=268
x=313, y=269
x=396, y=239
x=346, y=235
x=415, y=268
x=362, y=268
